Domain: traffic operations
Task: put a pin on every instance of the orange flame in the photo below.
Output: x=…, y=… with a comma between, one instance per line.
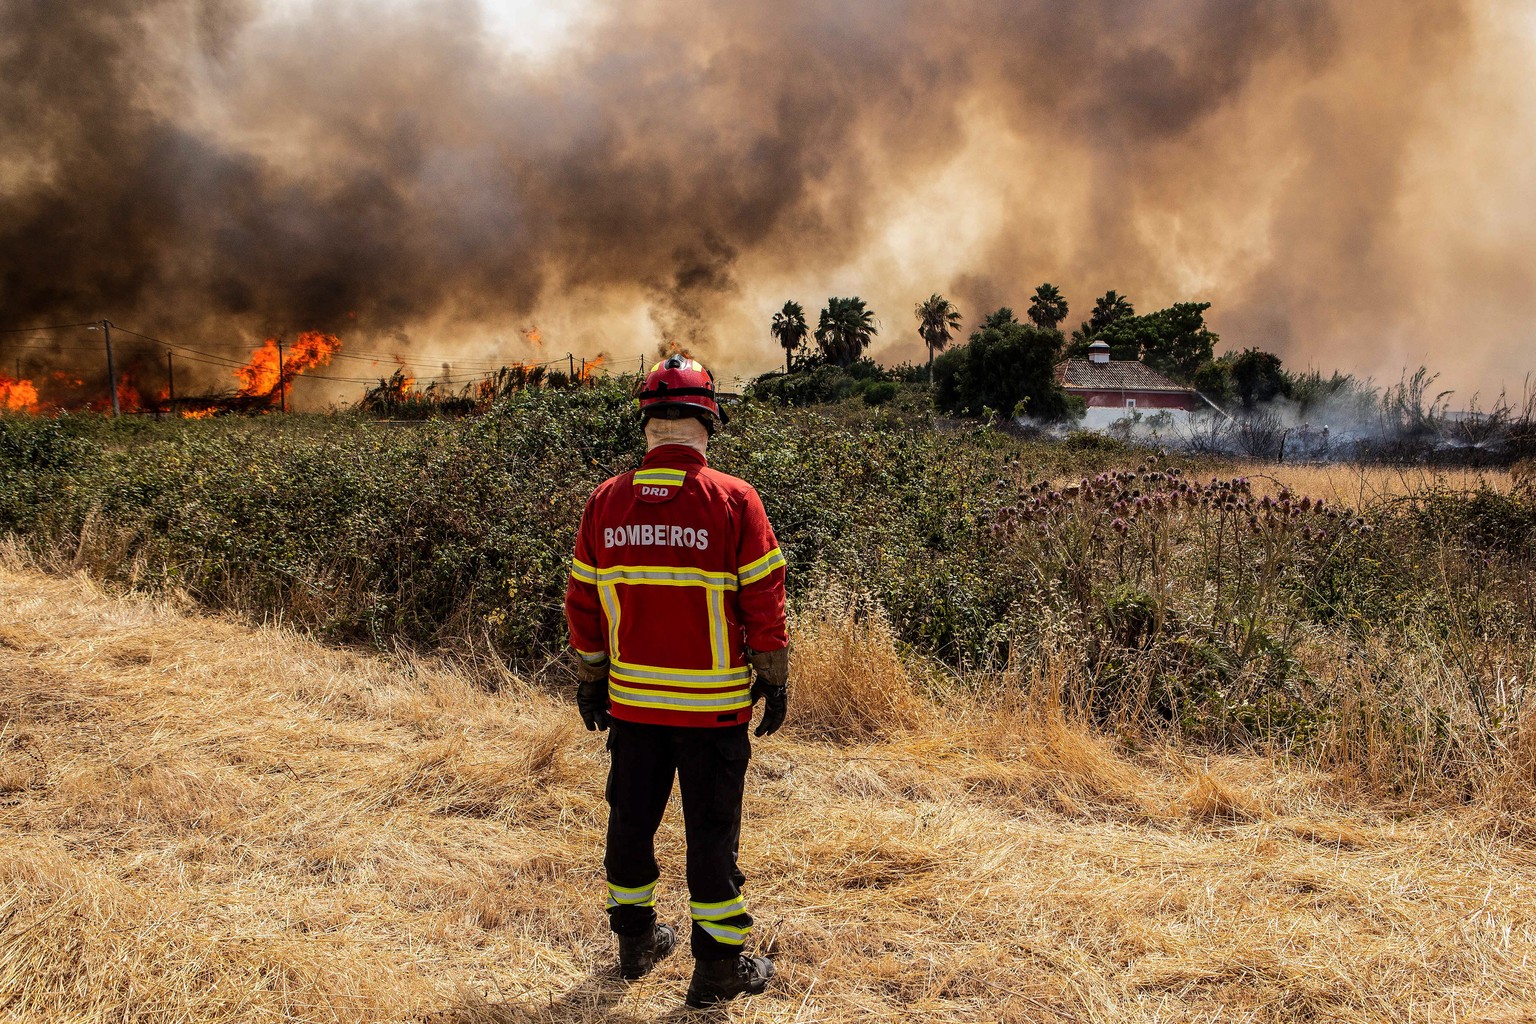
x=128, y=397
x=17, y=395
x=534, y=336
x=585, y=373
x=197, y=414
x=261, y=377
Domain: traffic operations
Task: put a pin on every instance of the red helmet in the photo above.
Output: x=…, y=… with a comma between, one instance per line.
x=681, y=383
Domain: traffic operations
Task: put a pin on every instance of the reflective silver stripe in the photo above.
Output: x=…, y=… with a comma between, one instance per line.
x=718, y=645
x=583, y=572
x=662, y=576
x=762, y=567
x=693, y=677
x=672, y=477
x=717, y=911
x=725, y=933
x=610, y=601
x=657, y=699
x=593, y=657
x=645, y=896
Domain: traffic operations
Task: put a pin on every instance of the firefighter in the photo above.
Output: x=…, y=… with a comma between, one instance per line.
x=675, y=602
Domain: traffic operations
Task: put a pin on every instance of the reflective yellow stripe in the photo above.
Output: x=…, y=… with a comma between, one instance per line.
x=608, y=594
x=645, y=896
x=719, y=647
x=675, y=677
x=728, y=934
x=668, y=477
x=753, y=571
x=660, y=576
x=630, y=672
x=732, y=701
x=717, y=911
x=592, y=657
x=582, y=571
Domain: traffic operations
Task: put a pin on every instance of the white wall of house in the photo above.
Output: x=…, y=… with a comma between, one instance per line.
x=1100, y=418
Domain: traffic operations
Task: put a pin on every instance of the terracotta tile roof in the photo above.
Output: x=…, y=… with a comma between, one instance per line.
x=1115, y=375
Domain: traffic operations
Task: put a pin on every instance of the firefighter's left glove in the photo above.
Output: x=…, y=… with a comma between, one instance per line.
x=592, y=693
x=772, y=687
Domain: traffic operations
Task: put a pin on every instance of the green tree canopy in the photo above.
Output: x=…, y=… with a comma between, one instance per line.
x=1007, y=366
x=845, y=330
x=1173, y=341
x=937, y=320
x=790, y=329
x=1214, y=380
x=1257, y=377
x=1107, y=309
x=1047, y=307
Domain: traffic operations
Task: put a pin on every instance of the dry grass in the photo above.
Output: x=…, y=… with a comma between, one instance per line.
x=1357, y=486
x=207, y=822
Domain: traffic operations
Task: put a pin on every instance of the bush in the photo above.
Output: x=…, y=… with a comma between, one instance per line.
x=1197, y=605
x=1007, y=367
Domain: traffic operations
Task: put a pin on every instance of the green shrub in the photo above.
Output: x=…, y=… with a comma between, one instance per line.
x=1186, y=601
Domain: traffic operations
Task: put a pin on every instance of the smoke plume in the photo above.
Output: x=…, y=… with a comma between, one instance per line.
x=1348, y=181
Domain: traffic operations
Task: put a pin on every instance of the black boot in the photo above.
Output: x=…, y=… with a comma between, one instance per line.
x=639, y=953
x=715, y=981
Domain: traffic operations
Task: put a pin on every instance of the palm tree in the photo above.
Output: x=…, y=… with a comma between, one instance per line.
x=1048, y=307
x=790, y=329
x=845, y=330
x=937, y=318
x=1107, y=308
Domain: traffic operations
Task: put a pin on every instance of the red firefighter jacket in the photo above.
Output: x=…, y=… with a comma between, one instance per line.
x=676, y=573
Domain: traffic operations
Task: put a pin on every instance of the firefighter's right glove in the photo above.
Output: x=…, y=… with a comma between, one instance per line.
x=592, y=693
x=772, y=687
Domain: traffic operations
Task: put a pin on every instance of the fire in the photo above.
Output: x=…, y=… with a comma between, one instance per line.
x=17, y=395
x=588, y=366
x=535, y=338
x=407, y=379
x=128, y=397
x=197, y=414
x=261, y=377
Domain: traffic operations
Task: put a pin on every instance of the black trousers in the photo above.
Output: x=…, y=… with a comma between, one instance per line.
x=711, y=770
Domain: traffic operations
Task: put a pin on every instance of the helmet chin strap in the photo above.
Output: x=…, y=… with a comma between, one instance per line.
x=688, y=431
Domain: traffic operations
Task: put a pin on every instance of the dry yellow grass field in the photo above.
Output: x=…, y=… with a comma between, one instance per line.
x=205, y=821
x=1356, y=485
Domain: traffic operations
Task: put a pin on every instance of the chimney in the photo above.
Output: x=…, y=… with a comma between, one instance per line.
x=1098, y=352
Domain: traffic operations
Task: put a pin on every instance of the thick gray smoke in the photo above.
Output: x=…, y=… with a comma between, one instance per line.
x=215, y=171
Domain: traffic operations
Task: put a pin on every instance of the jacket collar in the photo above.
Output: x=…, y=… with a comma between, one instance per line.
x=673, y=456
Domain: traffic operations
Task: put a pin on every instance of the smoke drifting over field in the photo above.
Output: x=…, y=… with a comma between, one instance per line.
x=1348, y=181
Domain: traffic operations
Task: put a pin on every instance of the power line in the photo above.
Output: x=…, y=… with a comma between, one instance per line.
x=50, y=327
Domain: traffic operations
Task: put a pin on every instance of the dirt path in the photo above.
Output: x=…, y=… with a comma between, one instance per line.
x=202, y=821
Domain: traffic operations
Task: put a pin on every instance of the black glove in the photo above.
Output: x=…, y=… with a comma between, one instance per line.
x=592, y=702
x=592, y=693
x=772, y=668
x=775, y=703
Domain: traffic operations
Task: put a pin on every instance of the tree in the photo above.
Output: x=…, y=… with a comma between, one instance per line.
x=790, y=329
x=1173, y=341
x=845, y=330
x=1214, y=380
x=1107, y=309
x=1007, y=366
x=1257, y=377
x=937, y=318
x=1047, y=307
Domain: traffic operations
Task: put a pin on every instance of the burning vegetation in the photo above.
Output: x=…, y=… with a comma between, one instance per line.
x=17, y=395
x=272, y=368
x=263, y=382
